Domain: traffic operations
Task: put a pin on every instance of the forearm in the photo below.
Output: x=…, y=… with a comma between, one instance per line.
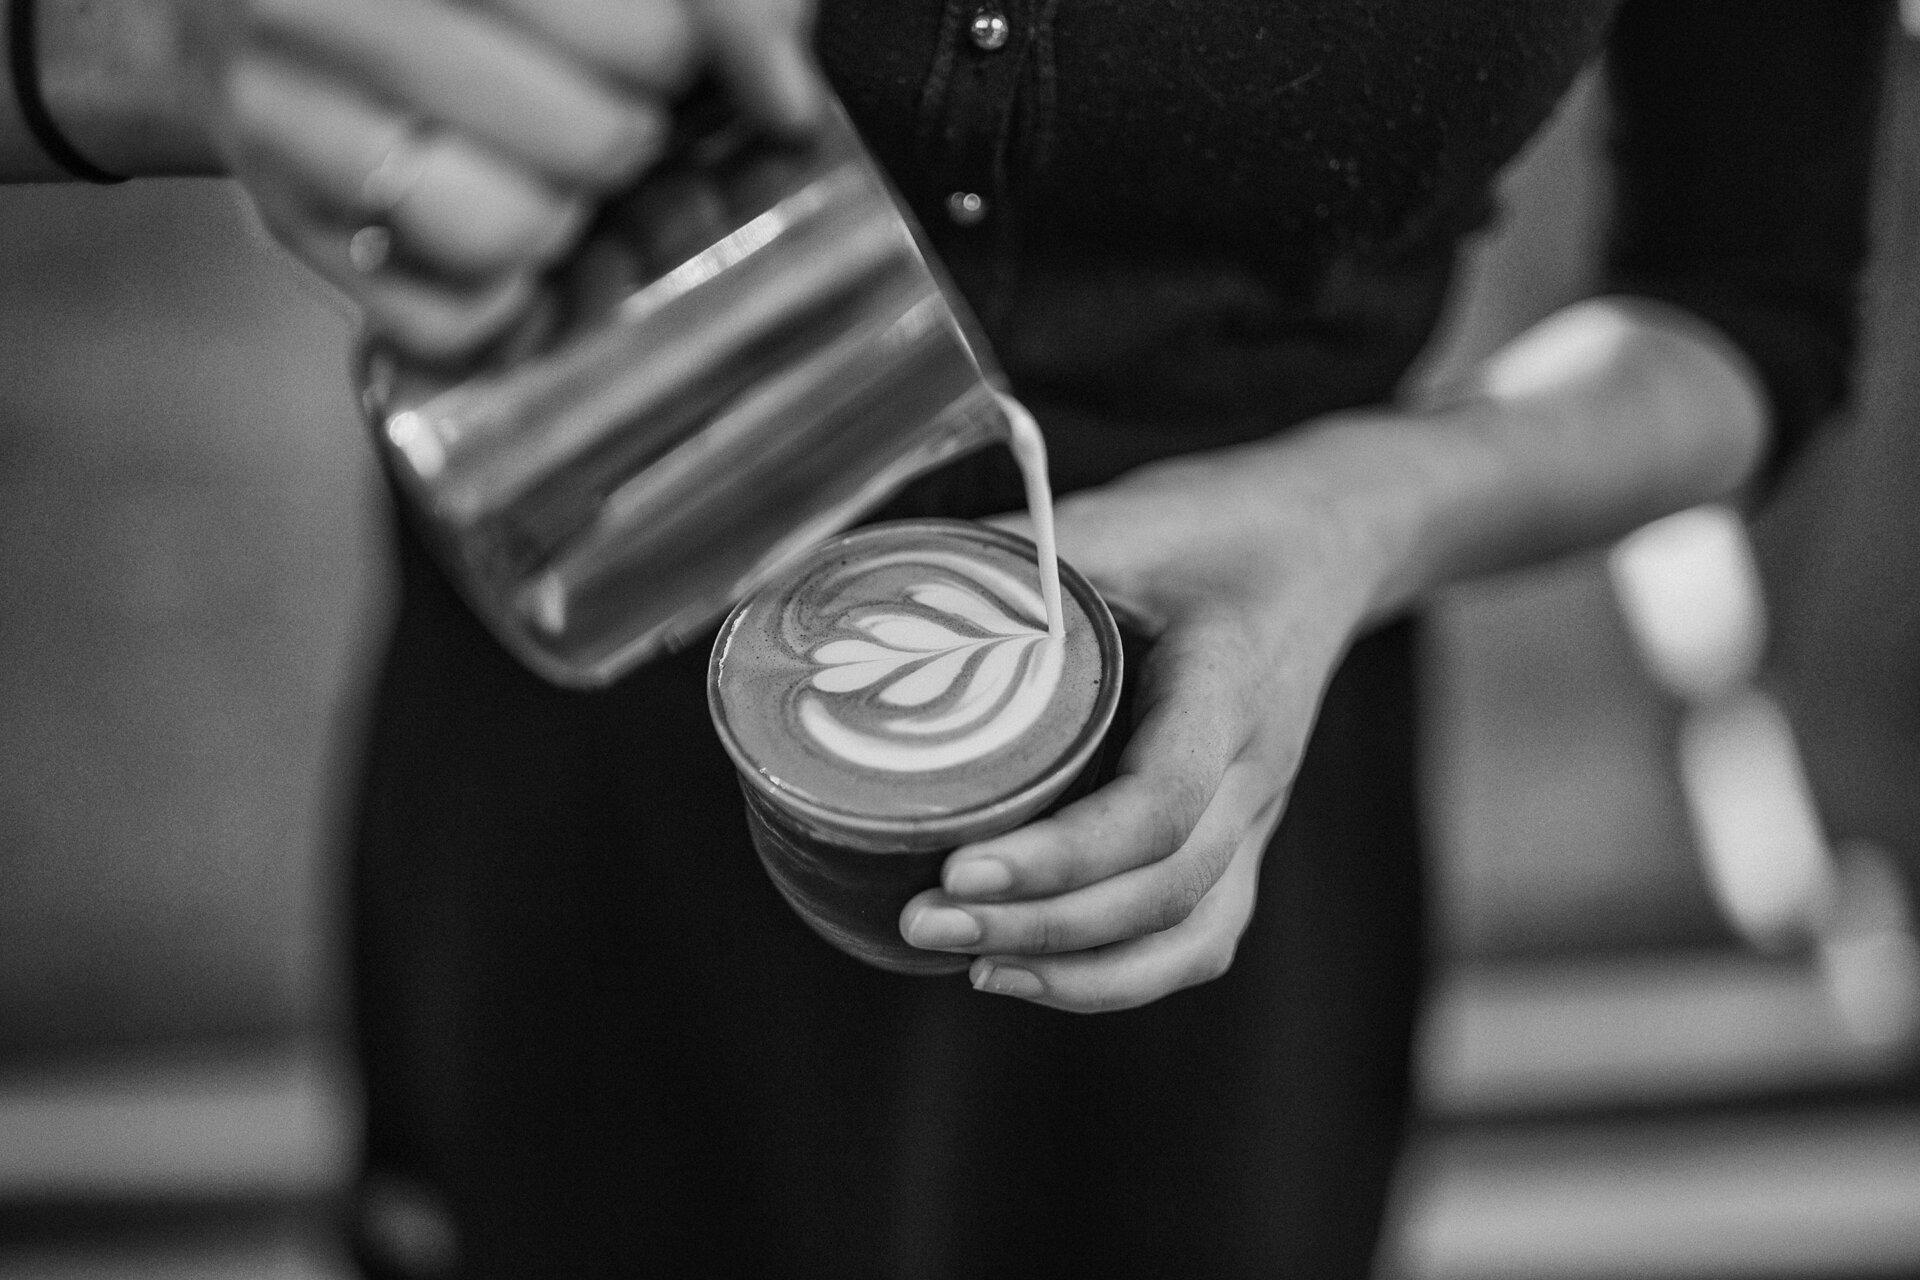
x=1606, y=415
x=118, y=78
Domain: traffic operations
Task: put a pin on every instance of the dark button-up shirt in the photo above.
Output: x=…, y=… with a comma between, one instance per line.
x=1184, y=222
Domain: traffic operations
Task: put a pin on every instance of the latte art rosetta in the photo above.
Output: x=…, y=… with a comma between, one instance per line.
x=956, y=670
x=900, y=687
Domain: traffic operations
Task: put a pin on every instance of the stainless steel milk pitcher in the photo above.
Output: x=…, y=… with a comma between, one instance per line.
x=751, y=351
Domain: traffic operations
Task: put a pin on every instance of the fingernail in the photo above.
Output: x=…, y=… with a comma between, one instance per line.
x=936, y=927
x=1004, y=980
x=978, y=878
x=795, y=89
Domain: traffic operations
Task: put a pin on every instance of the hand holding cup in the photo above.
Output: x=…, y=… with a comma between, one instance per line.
x=1145, y=886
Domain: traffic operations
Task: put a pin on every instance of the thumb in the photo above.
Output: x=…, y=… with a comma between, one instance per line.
x=1016, y=522
x=1087, y=538
x=761, y=47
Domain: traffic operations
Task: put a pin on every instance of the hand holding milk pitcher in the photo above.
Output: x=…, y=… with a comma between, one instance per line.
x=435, y=159
x=747, y=350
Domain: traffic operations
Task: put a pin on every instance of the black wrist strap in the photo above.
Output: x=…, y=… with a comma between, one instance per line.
x=23, y=58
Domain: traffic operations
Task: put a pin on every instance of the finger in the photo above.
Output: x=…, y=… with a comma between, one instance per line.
x=456, y=208
x=1102, y=545
x=477, y=73
x=1129, y=974
x=649, y=45
x=430, y=319
x=760, y=47
x=1143, y=901
x=1194, y=721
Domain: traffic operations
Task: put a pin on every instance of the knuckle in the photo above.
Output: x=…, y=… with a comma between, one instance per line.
x=479, y=207
x=501, y=237
x=1180, y=896
x=1083, y=857
x=1168, y=910
x=1049, y=934
x=1174, y=807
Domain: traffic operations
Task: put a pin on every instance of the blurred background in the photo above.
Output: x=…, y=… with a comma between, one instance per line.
x=1676, y=789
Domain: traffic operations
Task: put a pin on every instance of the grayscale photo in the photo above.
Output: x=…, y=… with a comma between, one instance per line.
x=960, y=640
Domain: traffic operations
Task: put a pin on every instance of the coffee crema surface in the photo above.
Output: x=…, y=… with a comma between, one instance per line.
x=903, y=674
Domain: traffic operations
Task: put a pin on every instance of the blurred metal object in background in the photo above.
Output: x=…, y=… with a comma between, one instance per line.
x=754, y=349
x=1689, y=588
x=1615, y=1081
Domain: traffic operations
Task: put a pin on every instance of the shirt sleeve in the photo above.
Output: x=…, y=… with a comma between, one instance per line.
x=1743, y=136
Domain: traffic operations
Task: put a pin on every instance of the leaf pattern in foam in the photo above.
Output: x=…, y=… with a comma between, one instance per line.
x=904, y=631
x=929, y=680
x=914, y=661
x=971, y=605
x=850, y=665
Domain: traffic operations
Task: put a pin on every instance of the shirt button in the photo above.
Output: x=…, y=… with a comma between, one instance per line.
x=989, y=30
x=966, y=208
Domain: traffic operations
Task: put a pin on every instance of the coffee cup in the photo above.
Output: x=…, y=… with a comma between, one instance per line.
x=895, y=696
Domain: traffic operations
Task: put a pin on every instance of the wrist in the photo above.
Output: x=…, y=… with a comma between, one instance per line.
x=1606, y=415
x=1395, y=494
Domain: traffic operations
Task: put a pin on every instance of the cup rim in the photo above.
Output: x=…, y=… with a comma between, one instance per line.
x=878, y=834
